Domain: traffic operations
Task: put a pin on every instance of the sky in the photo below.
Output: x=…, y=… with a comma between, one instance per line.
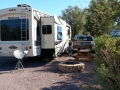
x=52, y=7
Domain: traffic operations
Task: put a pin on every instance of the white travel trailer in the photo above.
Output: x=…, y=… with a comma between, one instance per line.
x=24, y=28
x=115, y=33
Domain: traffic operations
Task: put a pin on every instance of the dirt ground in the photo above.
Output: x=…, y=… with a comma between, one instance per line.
x=40, y=75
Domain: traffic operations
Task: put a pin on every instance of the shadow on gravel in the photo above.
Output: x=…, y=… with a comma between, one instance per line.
x=72, y=86
x=9, y=63
x=77, y=81
x=51, y=67
x=63, y=86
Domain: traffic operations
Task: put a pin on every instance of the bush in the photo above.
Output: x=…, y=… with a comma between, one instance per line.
x=107, y=62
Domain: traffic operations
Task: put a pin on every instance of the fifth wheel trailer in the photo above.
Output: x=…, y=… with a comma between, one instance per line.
x=27, y=29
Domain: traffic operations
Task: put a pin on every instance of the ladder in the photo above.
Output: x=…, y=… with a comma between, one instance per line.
x=41, y=14
x=24, y=26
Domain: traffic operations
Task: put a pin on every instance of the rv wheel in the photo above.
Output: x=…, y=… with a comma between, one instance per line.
x=50, y=55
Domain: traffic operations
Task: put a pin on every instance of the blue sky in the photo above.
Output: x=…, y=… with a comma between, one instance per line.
x=53, y=7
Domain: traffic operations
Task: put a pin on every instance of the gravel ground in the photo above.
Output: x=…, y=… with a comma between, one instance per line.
x=41, y=75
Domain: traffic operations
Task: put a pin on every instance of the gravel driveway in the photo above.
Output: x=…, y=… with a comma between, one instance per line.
x=41, y=75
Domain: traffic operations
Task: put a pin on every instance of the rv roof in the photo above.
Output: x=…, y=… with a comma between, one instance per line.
x=42, y=12
x=23, y=5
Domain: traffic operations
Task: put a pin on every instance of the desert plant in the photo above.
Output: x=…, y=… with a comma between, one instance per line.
x=107, y=62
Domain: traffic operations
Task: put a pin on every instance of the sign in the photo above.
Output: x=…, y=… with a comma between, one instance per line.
x=12, y=9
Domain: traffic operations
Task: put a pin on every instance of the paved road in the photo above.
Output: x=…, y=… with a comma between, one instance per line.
x=9, y=63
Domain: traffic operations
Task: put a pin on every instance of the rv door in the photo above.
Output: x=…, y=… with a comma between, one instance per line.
x=47, y=33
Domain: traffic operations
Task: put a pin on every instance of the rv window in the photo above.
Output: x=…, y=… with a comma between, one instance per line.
x=47, y=29
x=59, y=33
x=68, y=31
x=0, y=30
x=11, y=30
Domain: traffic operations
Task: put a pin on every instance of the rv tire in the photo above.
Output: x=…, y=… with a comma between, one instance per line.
x=50, y=55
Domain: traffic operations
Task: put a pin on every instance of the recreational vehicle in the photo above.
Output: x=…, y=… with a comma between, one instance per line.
x=34, y=32
x=115, y=33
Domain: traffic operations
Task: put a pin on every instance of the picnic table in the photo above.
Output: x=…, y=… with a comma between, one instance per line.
x=83, y=53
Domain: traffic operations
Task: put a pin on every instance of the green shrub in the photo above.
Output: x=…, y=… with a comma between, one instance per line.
x=107, y=62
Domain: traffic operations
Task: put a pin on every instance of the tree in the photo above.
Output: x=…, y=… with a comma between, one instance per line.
x=102, y=16
x=76, y=18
